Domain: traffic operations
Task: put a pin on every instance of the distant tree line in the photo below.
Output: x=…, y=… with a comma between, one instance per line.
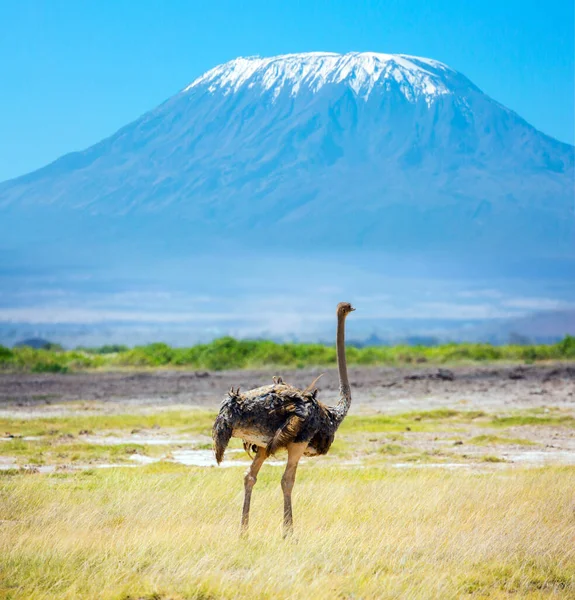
x=229, y=353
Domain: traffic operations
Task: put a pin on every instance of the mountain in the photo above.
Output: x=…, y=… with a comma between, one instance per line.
x=362, y=150
x=270, y=188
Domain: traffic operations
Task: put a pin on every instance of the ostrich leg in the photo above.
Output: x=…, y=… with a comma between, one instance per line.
x=295, y=452
x=249, y=482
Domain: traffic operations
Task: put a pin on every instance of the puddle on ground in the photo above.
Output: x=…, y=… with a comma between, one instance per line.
x=539, y=457
x=526, y=458
x=141, y=459
x=7, y=462
x=203, y=458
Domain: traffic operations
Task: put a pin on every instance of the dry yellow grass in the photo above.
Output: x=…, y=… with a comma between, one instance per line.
x=172, y=532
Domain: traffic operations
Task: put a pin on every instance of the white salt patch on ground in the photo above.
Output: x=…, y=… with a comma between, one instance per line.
x=540, y=457
x=200, y=458
x=144, y=460
x=205, y=458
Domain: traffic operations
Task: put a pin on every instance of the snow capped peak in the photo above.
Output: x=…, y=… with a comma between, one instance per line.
x=361, y=71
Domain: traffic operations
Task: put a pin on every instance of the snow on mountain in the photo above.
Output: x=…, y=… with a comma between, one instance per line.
x=361, y=71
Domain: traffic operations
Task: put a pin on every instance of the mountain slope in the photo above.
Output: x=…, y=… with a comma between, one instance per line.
x=364, y=150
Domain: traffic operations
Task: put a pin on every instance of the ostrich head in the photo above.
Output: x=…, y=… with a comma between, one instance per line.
x=343, y=309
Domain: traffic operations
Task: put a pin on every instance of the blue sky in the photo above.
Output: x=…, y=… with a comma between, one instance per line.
x=74, y=72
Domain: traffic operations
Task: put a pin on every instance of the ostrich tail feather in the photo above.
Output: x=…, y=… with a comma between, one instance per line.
x=311, y=386
x=221, y=434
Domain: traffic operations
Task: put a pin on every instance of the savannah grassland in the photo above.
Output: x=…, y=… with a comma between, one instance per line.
x=425, y=502
x=166, y=531
x=364, y=528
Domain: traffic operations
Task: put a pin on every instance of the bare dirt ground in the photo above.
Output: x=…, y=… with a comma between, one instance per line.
x=497, y=390
x=489, y=387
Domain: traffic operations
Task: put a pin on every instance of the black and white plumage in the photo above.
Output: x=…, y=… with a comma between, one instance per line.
x=280, y=415
x=273, y=416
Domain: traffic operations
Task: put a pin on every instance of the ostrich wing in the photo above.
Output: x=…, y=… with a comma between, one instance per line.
x=295, y=413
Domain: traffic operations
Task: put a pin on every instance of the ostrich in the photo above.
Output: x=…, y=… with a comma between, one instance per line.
x=281, y=416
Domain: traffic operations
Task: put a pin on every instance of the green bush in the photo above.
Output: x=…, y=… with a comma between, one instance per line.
x=110, y=349
x=227, y=353
x=6, y=355
x=48, y=367
x=134, y=358
x=566, y=347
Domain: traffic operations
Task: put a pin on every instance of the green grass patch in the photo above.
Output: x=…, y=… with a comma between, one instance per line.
x=392, y=449
x=441, y=414
x=492, y=459
x=488, y=440
x=530, y=418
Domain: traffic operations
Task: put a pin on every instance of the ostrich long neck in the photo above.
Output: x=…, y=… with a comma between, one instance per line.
x=340, y=410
